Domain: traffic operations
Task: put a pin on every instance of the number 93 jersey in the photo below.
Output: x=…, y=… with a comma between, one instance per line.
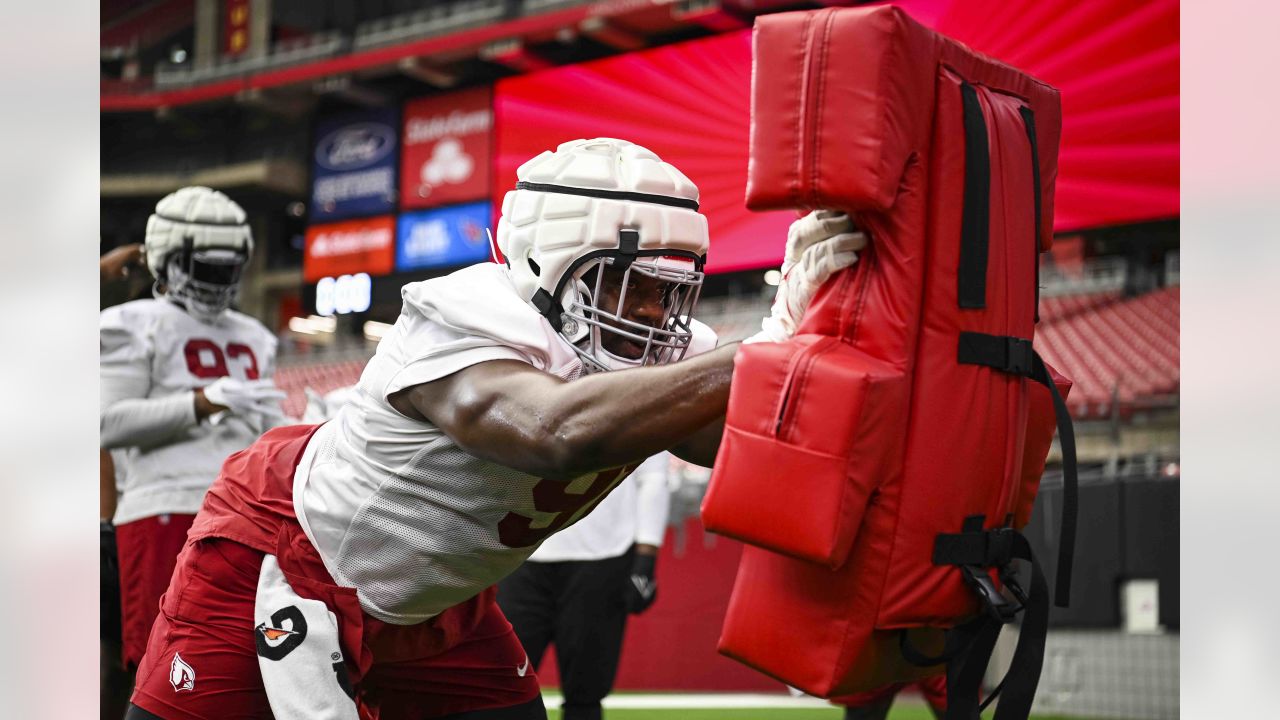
x=395, y=508
x=153, y=350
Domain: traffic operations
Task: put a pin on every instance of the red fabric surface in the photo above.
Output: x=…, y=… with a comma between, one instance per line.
x=1116, y=65
x=689, y=103
x=445, y=149
x=957, y=432
x=148, y=549
x=208, y=620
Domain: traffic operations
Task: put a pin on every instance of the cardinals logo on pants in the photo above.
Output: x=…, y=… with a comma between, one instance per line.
x=181, y=675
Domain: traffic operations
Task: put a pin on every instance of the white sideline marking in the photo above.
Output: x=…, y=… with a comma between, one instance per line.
x=708, y=700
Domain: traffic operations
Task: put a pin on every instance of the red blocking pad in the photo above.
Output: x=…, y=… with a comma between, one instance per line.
x=850, y=448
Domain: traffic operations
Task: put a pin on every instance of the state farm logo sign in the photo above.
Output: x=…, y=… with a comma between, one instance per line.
x=419, y=130
x=350, y=247
x=355, y=146
x=449, y=164
x=446, y=149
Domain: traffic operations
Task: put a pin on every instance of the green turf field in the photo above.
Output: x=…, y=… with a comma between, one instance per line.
x=907, y=709
x=899, y=713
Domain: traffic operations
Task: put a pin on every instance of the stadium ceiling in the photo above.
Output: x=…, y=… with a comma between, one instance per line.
x=523, y=44
x=285, y=177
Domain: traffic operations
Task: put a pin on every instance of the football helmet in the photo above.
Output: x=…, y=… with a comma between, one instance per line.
x=197, y=245
x=605, y=240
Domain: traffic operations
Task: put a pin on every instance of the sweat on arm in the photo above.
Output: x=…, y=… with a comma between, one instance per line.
x=510, y=413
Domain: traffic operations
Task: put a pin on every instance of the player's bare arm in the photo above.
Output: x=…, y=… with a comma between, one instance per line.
x=120, y=262
x=511, y=413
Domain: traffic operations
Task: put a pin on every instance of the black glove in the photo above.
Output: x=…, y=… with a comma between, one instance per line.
x=642, y=584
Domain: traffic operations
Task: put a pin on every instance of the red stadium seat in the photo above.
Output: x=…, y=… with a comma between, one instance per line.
x=321, y=377
x=1132, y=344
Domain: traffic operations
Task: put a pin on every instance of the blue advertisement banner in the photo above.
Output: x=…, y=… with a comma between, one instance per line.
x=446, y=236
x=354, y=165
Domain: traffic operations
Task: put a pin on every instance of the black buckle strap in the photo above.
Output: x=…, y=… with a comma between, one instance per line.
x=998, y=607
x=969, y=646
x=549, y=308
x=974, y=550
x=975, y=219
x=1070, y=484
x=975, y=546
x=628, y=248
x=1001, y=352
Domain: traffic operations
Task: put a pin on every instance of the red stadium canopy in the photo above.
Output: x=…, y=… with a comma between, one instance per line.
x=690, y=103
x=1116, y=64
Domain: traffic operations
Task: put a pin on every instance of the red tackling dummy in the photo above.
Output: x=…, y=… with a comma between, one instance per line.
x=906, y=407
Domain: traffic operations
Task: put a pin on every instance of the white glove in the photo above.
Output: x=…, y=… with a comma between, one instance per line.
x=246, y=397
x=818, y=245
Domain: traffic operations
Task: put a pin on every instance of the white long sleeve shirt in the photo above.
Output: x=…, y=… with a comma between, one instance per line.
x=153, y=356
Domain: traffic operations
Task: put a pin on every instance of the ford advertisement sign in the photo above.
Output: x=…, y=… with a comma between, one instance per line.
x=355, y=165
x=448, y=236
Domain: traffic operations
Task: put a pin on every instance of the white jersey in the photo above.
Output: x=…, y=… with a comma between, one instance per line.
x=153, y=356
x=394, y=507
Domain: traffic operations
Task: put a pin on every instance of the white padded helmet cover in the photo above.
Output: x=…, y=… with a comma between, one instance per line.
x=211, y=219
x=555, y=229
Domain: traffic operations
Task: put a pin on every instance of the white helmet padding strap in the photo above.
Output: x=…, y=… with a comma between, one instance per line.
x=685, y=203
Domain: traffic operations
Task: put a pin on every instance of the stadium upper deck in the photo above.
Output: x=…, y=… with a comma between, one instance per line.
x=166, y=53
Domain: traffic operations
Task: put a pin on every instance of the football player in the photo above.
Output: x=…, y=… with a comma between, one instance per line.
x=347, y=570
x=185, y=383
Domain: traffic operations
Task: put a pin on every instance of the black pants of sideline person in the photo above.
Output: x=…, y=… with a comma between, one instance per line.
x=578, y=606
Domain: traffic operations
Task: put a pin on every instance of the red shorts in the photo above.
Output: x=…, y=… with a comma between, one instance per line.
x=400, y=671
x=466, y=658
x=148, y=549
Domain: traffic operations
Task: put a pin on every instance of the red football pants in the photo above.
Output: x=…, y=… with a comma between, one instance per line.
x=148, y=549
x=201, y=661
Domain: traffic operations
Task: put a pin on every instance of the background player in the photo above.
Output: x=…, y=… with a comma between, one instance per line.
x=185, y=383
